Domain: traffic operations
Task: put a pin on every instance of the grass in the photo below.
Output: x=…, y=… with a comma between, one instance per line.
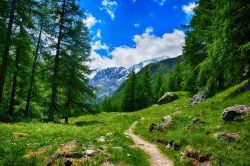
x=197, y=136
x=88, y=128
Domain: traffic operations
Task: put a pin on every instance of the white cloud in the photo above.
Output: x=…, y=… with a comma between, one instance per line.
x=137, y=25
x=147, y=46
x=90, y=20
x=110, y=7
x=98, y=35
x=189, y=9
x=99, y=46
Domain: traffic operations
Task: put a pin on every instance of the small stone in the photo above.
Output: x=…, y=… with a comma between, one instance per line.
x=229, y=136
x=168, y=146
x=107, y=164
x=90, y=152
x=101, y=139
x=102, y=147
x=109, y=134
x=70, y=146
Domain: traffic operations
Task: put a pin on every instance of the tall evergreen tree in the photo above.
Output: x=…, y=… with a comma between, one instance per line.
x=4, y=64
x=72, y=49
x=144, y=95
x=129, y=101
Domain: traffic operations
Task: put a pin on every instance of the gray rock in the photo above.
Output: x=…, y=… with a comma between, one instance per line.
x=63, y=155
x=166, y=122
x=229, y=136
x=109, y=134
x=230, y=113
x=89, y=152
x=167, y=98
x=198, y=97
x=102, y=147
x=101, y=139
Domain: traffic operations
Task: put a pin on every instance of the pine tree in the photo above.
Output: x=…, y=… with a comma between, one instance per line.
x=129, y=100
x=144, y=95
x=4, y=64
x=157, y=87
x=72, y=49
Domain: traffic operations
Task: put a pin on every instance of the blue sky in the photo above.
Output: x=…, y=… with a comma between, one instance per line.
x=125, y=32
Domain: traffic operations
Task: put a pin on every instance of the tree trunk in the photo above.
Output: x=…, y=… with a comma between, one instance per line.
x=221, y=81
x=14, y=82
x=33, y=72
x=67, y=105
x=55, y=70
x=3, y=67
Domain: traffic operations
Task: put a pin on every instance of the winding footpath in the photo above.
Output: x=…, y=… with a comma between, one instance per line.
x=156, y=157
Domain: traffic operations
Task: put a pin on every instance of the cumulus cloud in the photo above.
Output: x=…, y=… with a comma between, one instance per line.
x=110, y=7
x=147, y=46
x=189, y=9
x=99, y=46
x=90, y=20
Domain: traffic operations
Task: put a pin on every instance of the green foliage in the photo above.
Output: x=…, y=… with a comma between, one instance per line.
x=33, y=41
x=129, y=100
x=216, y=51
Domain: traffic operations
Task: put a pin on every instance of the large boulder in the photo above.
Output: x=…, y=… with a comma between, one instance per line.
x=198, y=97
x=167, y=98
x=230, y=113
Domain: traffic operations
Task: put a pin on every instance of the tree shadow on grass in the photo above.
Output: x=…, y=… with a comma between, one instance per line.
x=86, y=123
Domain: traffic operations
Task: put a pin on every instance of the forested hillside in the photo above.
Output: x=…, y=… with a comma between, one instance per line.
x=216, y=56
x=43, y=48
x=151, y=75
x=217, y=47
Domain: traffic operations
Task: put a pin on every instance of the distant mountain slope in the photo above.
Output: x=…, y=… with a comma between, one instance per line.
x=163, y=67
x=108, y=80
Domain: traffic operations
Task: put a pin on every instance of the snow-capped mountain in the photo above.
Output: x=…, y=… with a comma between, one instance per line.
x=108, y=80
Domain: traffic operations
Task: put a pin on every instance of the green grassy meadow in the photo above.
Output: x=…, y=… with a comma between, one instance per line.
x=188, y=135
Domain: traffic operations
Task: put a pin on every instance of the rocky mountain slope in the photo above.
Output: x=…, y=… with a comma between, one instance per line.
x=108, y=80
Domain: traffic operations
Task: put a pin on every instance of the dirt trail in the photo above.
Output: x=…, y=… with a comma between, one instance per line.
x=156, y=157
